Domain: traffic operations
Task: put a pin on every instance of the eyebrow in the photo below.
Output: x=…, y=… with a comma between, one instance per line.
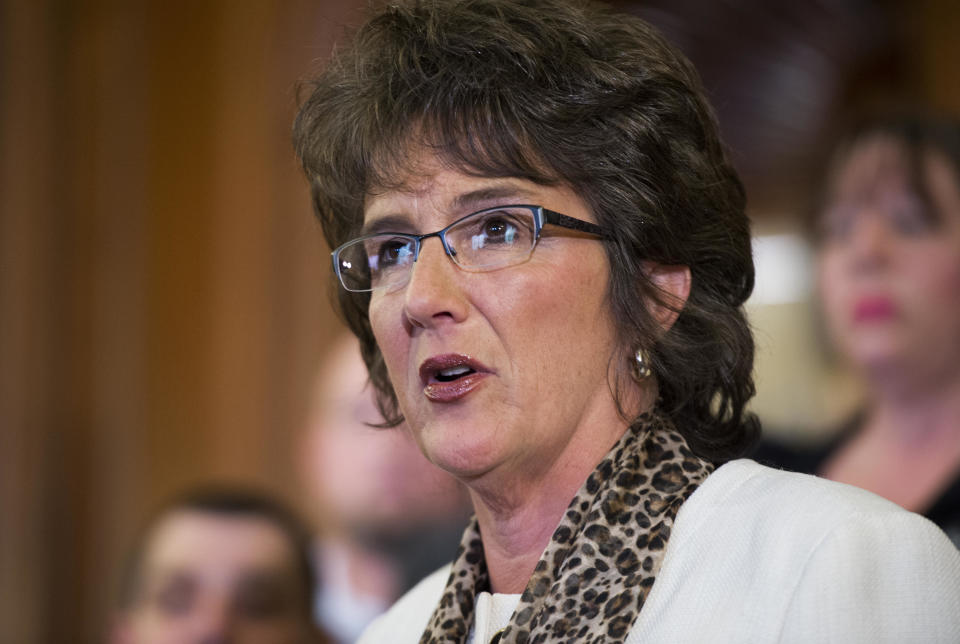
x=473, y=200
x=268, y=578
x=483, y=196
x=387, y=224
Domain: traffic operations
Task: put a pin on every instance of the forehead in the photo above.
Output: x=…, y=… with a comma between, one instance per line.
x=882, y=164
x=212, y=544
x=431, y=202
x=876, y=161
x=429, y=180
x=452, y=192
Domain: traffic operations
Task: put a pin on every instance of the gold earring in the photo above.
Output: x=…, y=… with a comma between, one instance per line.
x=641, y=369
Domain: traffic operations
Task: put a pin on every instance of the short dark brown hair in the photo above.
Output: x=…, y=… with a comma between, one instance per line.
x=555, y=92
x=227, y=500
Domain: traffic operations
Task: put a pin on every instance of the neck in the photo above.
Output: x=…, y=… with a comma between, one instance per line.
x=513, y=543
x=918, y=421
x=517, y=513
x=917, y=412
x=519, y=505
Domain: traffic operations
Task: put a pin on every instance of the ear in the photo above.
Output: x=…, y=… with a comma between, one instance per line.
x=673, y=282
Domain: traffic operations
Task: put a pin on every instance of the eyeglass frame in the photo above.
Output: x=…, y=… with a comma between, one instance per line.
x=541, y=217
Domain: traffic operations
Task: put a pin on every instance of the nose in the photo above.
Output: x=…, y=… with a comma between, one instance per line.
x=434, y=292
x=870, y=240
x=212, y=624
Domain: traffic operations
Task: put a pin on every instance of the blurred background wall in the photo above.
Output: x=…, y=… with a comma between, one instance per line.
x=163, y=288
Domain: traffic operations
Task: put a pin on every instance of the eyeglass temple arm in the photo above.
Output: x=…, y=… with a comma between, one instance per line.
x=557, y=219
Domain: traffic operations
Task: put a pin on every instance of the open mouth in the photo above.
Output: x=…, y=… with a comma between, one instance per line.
x=449, y=367
x=455, y=373
x=451, y=376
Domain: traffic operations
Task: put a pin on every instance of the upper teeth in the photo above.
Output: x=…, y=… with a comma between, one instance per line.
x=454, y=371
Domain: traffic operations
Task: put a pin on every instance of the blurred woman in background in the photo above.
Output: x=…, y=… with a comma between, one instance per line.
x=889, y=281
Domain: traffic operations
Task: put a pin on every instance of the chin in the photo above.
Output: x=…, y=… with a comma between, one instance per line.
x=874, y=347
x=460, y=451
x=881, y=361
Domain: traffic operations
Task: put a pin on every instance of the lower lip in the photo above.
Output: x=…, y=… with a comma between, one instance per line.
x=873, y=310
x=445, y=392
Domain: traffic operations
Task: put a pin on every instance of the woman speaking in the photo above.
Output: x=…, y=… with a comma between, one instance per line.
x=543, y=248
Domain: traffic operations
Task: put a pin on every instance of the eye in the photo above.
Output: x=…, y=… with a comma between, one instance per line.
x=387, y=253
x=175, y=597
x=265, y=595
x=908, y=216
x=262, y=603
x=836, y=223
x=501, y=228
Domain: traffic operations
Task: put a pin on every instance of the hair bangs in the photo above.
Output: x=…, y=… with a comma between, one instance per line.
x=473, y=134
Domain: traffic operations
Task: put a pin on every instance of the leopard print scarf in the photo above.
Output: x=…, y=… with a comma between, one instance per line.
x=595, y=574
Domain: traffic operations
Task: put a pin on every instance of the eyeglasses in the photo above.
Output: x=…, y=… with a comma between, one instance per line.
x=482, y=241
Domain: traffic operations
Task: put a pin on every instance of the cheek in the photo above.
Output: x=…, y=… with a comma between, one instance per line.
x=386, y=323
x=555, y=310
x=376, y=313
x=829, y=270
x=283, y=630
x=933, y=280
x=940, y=268
x=831, y=283
x=158, y=628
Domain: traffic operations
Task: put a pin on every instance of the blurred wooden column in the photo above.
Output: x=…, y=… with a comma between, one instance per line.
x=936, y=25
x=28, y=95
x=162, y=295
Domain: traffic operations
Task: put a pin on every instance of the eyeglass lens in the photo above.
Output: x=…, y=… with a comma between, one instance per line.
x=483, y=240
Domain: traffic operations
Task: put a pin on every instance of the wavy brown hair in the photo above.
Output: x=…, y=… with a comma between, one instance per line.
x=565, y=93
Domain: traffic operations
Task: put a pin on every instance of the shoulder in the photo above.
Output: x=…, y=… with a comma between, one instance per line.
x=796, y=514
x=778, y=556
x=776, y=495
x=406, y=620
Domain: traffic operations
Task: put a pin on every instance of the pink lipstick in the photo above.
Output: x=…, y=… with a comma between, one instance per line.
x=873, y=309
x=451, y=376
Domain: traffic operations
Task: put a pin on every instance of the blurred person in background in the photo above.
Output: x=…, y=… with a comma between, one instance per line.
x=888, y=232
x=386, y=515
x=219, y=564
